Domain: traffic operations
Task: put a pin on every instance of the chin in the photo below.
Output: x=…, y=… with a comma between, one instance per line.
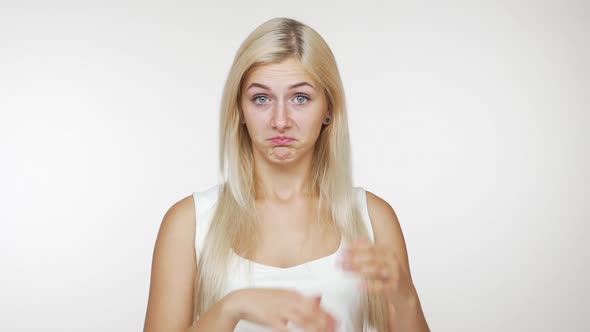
x=277, y=157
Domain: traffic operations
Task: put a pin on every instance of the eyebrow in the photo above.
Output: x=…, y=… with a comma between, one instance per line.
x=290, y=87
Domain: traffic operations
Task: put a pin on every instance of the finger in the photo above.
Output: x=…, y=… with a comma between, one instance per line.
x=362, y=253
x=362, y=263
x=388, y=287
x=377, y=286
x=357, y=256
x=312, y=317
x=390, y=313
x=385, y=274
x=307, y=317
x=296, y=317
x=322, y=321
x=307, y=308
x=372, y=265
x=328, y=322
x=359, y=247
x=374, y=286
x=317, y=299
x=280, y=325
x=362, y=241
x=365, y=257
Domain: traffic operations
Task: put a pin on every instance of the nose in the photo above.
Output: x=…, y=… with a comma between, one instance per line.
x=280, y=116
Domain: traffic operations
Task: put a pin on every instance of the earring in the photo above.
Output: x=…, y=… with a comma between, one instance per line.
x=327, y=120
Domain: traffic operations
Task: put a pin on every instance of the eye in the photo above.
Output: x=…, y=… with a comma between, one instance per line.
x=260, y=99
x=302, y=99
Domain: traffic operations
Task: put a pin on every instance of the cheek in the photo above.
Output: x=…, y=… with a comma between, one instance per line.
x=315, y=122
x=254, y=124
x=251, y=117
x=314, y=125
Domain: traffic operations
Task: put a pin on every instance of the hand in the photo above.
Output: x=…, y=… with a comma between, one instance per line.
x=382, y=269
x=277, y=307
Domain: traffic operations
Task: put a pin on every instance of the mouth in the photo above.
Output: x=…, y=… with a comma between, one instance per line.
x=282, y=140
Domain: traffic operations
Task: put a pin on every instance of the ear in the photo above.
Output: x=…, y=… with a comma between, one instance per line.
x=327, y=119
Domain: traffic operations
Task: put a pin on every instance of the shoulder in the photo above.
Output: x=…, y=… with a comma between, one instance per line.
x=379, y=207
x=176, y=235
x=386, y=226
x=383, y=218
x=183, y=213
x=173, y=270
x=204, y=200
x=178, y=227
x=180, y=216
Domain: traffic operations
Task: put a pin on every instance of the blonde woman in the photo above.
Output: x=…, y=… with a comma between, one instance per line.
x=284, y=242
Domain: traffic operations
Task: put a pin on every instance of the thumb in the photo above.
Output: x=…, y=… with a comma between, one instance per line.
x=391, y=314
x=317, y=299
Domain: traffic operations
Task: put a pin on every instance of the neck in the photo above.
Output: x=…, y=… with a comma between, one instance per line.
x=283, y=183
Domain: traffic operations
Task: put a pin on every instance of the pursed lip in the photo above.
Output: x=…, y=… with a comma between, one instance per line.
x=282, y=140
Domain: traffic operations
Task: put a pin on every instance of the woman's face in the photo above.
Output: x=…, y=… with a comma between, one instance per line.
x=281, y=100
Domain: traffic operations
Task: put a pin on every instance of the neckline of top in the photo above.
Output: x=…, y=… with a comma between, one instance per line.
x=294, y=267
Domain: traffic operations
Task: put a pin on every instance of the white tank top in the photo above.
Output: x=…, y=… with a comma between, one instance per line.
x=340, y=290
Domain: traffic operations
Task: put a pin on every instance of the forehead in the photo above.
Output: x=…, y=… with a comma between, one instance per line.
x=280, y=74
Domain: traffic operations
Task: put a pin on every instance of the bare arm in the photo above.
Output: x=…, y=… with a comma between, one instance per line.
x=174, y=267
x=408, y=316
x=220, y=317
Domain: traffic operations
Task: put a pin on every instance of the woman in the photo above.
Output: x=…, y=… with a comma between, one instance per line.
x=284, y=242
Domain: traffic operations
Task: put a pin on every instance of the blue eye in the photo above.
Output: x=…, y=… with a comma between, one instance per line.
x=302, y=99
x=262, y=99
x=257, y=98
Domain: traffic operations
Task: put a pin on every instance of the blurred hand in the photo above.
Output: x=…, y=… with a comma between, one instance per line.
x=277, y=308
x=382, y=270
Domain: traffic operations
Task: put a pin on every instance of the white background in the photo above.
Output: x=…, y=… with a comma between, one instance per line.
x=470, y=118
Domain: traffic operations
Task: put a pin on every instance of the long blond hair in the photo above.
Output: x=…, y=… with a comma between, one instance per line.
x=235, y=220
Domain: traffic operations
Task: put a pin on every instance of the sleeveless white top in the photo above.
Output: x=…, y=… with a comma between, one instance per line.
x=340, y=290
